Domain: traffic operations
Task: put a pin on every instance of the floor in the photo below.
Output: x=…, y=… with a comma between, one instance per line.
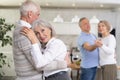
x=7, y=78
x=13, y=78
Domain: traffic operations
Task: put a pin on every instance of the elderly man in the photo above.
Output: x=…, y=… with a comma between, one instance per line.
x=89, y=50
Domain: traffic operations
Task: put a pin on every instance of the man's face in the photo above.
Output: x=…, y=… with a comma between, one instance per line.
x=35, y=16
x=85, y=25
x=32, y=16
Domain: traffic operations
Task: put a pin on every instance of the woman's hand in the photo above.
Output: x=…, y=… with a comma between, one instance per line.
x=30, y=34
x=98, y=43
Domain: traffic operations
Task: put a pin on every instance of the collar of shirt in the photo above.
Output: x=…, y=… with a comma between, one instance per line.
x=52, y=39
x=89, y=34
x=24, y=23
x=85, y=33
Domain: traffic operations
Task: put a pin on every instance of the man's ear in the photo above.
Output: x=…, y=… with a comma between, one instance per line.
x=29, y=14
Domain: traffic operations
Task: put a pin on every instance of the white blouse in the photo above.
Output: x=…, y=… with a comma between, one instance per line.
x=55, y=50
x=107, y=51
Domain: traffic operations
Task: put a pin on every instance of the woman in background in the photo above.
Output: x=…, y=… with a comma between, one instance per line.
x=107, y=45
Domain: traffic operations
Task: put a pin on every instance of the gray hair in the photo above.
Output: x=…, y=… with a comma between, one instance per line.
x=39, y=23
x=28, y=6
x=81, y=19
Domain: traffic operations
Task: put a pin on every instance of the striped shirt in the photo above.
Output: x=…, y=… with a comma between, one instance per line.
x=24, y=65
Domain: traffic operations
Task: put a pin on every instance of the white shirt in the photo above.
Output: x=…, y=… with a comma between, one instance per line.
x=55, y=50
x=107, y=51
x=24, y=23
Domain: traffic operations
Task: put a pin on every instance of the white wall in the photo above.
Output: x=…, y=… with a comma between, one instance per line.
x=118, y=41
x=11, y=15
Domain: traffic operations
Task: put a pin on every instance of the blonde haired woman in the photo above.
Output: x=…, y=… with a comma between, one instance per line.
x=107, y=45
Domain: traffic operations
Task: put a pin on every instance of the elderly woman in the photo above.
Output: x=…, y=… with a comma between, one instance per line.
x=49, y=49
x=107, y=45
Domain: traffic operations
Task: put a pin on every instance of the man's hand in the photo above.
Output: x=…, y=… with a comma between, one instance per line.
x=98, y=43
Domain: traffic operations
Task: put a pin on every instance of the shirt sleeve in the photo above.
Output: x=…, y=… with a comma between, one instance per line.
x=25, y=45
x=80, y=42
x=35, y=59
x=55, y=65
x=37, y=56
x=55, y=50
x=110, y=48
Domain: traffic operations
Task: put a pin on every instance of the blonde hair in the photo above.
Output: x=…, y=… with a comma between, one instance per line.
x=106, y=23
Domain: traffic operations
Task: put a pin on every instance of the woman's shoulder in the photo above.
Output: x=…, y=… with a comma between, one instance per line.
x=112, y=36
x=57, y=40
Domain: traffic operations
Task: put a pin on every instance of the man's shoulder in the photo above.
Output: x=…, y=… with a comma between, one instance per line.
x=82, y=36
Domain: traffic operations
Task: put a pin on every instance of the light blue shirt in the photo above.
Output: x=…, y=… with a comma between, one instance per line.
x=89, y=58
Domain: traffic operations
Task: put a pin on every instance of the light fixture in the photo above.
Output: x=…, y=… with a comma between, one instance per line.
x=47, y=4
x=73, y=4
x=75, y=19
x=101, y=5
x=94, y=20
x=58, y=18
x=94, y=23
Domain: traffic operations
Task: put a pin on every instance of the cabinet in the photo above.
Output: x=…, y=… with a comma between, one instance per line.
x=69, y=28
x=66, y=28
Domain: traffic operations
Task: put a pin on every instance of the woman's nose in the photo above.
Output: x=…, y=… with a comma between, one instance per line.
x=41, y=35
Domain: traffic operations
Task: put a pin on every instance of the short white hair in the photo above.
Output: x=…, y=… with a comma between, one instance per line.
x=43, y=23
x=28, y=6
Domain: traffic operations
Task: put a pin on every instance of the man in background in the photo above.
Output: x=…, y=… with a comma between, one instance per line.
x=89, y=51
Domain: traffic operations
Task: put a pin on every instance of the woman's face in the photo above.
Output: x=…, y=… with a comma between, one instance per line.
x=43, y=34
x=102, y=28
